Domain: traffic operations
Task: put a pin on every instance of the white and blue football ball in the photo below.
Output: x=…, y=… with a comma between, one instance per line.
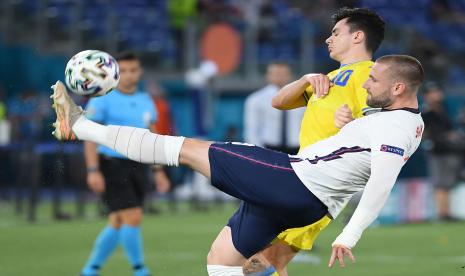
x=92, y=73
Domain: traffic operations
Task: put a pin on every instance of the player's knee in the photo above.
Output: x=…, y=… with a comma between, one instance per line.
x=114, y=220
x=131, y=216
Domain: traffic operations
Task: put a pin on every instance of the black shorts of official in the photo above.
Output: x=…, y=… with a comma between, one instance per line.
x=126, y=183
x=274, y=198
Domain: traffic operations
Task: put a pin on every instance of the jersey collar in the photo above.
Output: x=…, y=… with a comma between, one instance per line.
x=347, y=64
x=409, y=109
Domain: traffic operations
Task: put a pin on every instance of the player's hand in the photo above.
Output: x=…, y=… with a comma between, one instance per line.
x=343, y=116
x=162, y=182
x=338, y=253
x=96, y=182
x=320, y=84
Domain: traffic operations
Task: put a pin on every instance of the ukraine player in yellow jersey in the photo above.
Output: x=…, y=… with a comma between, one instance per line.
x=332, y=100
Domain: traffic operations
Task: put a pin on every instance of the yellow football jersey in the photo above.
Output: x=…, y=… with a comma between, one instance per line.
x=318, y=124
x=318, y=121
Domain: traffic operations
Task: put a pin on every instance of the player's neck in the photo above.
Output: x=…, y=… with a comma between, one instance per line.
x=411, y=102
x=355, y=57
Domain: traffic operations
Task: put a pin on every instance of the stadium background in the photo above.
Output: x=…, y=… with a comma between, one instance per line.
x=37, y=37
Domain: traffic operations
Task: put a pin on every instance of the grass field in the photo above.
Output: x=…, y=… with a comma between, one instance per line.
x=176, y=244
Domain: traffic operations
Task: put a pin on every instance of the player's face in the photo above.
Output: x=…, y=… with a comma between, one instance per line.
x=339, y=42
x=379, y=86
x=278, y=74
x=130, y=72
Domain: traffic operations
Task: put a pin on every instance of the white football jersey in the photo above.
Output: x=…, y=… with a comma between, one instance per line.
x=336, y=168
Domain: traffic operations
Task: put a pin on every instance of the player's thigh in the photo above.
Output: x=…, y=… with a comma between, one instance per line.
x=223, y=252
x=253, y=228
x=141, y=180
x=256, y=175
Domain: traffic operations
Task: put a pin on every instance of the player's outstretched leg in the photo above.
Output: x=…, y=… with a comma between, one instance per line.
x=137, y=144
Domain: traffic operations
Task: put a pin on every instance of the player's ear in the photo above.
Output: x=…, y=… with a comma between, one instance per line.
x=399, y=88
x=358, y=36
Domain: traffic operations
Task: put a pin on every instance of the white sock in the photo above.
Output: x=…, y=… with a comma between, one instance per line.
x=88, y=130
x=222, y=270
x=137, y=144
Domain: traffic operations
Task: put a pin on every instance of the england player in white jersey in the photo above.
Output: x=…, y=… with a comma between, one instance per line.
x=281, y=191
x=366, y=152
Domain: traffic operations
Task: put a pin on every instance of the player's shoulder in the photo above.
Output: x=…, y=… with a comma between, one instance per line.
x=362, y=69
x=390, y=122
x=144, y=96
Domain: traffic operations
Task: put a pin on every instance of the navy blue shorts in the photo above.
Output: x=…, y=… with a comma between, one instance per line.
x=274, y=198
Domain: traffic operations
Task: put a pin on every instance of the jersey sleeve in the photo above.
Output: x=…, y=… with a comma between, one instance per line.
x=96, y=109
x=308, y=93
x=388, y=146
x=384, y=172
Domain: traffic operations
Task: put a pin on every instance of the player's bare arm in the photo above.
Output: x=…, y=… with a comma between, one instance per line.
x=291, y=95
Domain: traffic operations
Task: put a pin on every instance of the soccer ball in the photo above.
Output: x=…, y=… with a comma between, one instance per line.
x=91, y=73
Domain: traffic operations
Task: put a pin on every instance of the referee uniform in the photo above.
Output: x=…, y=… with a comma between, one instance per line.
x=126, y=180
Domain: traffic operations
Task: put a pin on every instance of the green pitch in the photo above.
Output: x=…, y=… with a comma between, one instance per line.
x=176, y=244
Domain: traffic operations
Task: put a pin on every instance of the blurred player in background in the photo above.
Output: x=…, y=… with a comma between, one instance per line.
x=265, y=126
x=122, y=182
x=445, y=145
x=366, y=155
x=332, y=100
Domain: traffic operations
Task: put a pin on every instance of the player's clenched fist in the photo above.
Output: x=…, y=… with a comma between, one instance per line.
x=343, y=116
x=320, y=83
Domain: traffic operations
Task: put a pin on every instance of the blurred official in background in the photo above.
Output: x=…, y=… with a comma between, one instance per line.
x=445, y=145
x=269, y=127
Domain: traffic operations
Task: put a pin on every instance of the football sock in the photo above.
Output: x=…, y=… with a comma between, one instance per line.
x=104, y=245
x=222, y=270
x=131, y=239
x=137, y=144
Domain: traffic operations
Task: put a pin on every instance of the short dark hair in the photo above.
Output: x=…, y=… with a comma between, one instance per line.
x=365, y=20
x=406, y=68
x=126, y=55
